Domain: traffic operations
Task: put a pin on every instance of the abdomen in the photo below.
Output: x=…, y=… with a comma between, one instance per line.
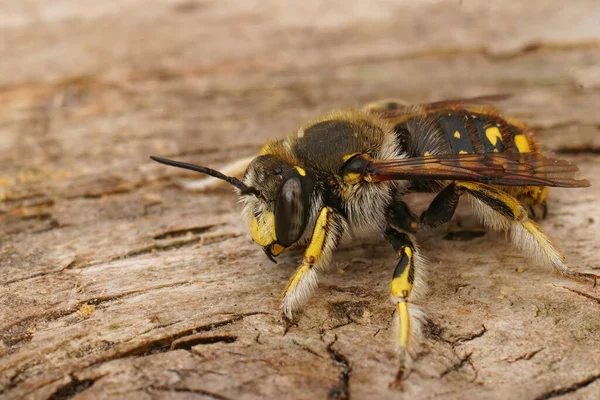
x=462, y=131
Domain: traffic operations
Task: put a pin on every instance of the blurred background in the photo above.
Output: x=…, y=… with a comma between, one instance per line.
x=107, y=266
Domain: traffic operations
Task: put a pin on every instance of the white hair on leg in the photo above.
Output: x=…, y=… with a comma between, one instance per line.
x=417, y=321
x=536, y=243
x=295, y=298
x=420, y=286
x=528, y=237
x=305, y=279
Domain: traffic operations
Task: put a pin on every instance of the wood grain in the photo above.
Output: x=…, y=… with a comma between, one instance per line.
x=116, y=283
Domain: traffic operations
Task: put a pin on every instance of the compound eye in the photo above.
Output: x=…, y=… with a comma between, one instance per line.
x=290, y=212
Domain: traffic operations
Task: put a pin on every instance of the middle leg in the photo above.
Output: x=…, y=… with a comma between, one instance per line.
x=409, y=317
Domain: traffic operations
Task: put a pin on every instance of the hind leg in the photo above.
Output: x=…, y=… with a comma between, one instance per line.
x=533, y=199
x=499, y=210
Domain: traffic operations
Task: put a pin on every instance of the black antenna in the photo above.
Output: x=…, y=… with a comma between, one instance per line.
x=208, y=171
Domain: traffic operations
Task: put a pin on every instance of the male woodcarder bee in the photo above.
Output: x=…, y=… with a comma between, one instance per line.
x=345, y=174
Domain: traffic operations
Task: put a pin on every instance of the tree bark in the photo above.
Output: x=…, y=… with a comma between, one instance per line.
x=115, y=282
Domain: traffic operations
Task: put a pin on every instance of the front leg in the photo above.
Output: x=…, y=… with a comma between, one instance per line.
x=328, y=231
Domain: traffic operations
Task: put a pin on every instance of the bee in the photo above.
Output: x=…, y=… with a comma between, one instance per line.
x=345, y=174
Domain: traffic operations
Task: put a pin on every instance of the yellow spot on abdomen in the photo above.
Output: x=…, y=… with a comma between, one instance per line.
x=493, y=135
x=426, y=153
x=462, y=152
x=522, y=144
x=457, y=134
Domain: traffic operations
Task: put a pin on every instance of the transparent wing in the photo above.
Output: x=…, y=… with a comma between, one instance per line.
x=518, y=169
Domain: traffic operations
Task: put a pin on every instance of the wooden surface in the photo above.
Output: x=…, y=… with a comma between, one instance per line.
x=116, y=283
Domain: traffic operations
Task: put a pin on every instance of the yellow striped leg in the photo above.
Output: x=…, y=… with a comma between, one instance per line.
x=408, y=326
x=325, y=238
x=501, y=211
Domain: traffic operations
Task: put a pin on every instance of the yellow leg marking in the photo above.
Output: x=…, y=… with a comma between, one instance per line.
x=402, y=282
x=500, y=195
x=401, y=286
x=493, y=135
x=315, y=248
x=544, y=241
x=293, y=282
x=522, y=144
x=303, y=280
x=404, y=323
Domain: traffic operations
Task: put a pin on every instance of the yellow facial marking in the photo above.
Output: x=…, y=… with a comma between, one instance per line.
x=462, y=152
x=263, y=232
x=522, y=144
x=493, y=135
x=277, y=249
x=315, y=248
x=457, y=134
x=300, y=170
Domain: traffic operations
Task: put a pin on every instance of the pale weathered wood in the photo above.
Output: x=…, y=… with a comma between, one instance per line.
x=114, y=282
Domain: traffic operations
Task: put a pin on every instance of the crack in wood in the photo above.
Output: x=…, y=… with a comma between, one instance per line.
x=53, y=315
x=74, y=387
x=456, y=366
x=472, y=336
x=175, y=233
x=187, y=342
x=527, y=356
x=202, y=392
x=164, y=344
x=306, y=348
x=589, y=296
x=568, y=389
x=342, y=390
x=176, y=244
